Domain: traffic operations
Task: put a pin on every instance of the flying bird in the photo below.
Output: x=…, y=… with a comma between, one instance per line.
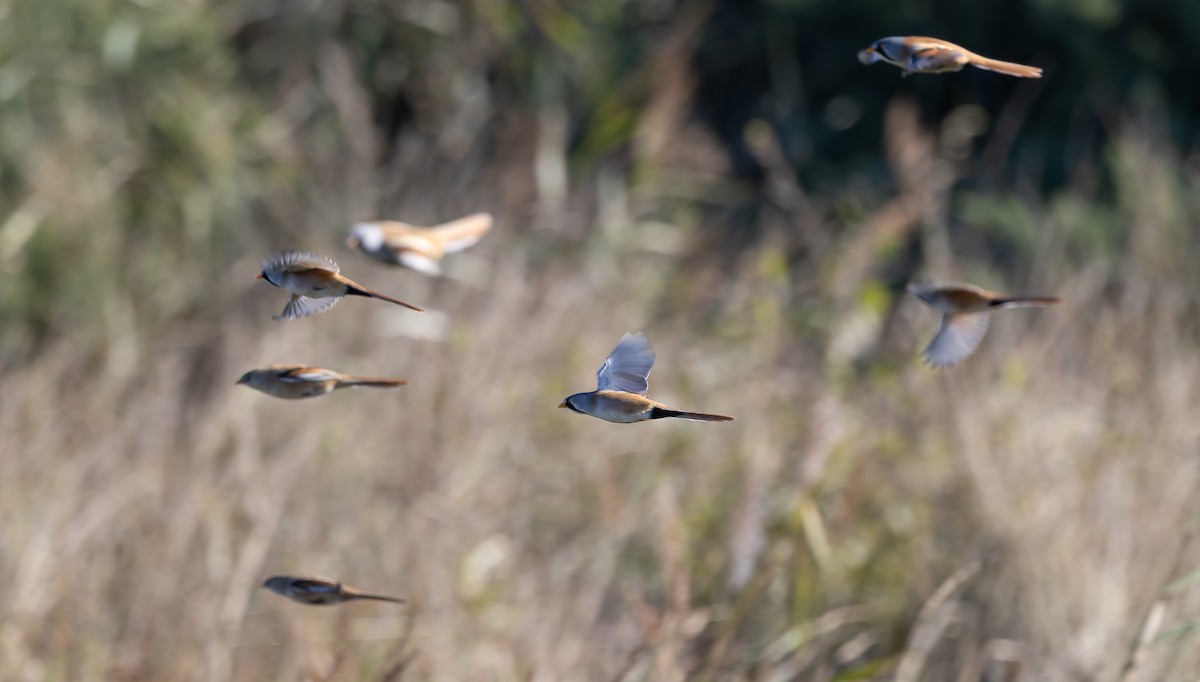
x=965, y=310
x=916, y=54
x=621, y=384
x=315, y=283
x=317, y=591
x=418, y=248
x=300, y=381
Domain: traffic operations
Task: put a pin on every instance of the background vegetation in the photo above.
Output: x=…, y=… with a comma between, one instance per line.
x=723, y=175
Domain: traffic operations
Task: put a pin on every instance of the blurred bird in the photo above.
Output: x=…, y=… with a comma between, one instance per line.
x=418, y=248
x=319, y=591
x=314, y=282
x=916, y=54
x=621, y=384
x=965, y=310
x=299, y=381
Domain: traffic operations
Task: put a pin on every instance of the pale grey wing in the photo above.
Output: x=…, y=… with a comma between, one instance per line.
x=628, y=366
x=956, y=338
x=303, y=306
x=421, y=263
x=937, y=59
x=303, y=586
x=297, y=260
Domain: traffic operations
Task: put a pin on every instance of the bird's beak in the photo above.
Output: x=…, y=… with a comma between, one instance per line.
x=240, y=381
x=562, y=405
x=352, y=241
x=867, y=56
x=259, y=276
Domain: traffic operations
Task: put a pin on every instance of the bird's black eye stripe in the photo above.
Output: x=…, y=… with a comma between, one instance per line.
x=572, y=407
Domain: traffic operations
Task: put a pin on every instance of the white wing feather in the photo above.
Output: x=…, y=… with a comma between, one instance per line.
x=297, y=260
x=303, y=306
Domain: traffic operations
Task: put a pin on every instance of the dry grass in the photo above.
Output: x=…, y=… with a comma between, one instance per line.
x=1027, y=516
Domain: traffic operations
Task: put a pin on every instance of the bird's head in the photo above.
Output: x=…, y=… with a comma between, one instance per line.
x=579, y=402
x=869, y=55
x=925, y=291
x=277, y=584
x=367, y=236
x=254, y=379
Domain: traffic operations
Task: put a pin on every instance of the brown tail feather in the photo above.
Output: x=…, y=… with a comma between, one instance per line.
x=373, y=597
x=662, y=413
x=1019, y=301
x=371, y=382
x=461, y=233
x=1009, y=68
x=363, y=291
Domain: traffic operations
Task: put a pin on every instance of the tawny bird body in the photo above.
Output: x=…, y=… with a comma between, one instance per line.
x=620, y=394
x=418, y=248
x=918, y=54
x=318, y=591
x=965, y=310
x=294, y=382
x=315, y=282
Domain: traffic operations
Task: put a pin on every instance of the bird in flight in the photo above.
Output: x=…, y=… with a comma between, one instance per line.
x=300, y=381
x=418, y=248
x=317, y=591
x=621, y=384
x=315, y=283
x=965, y=313
x=916, y=54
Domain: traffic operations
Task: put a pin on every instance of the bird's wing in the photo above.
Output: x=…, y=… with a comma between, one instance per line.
x=957, y=337
x=313, y=586
x=459, y=234
x=419, y=262
x=408, y=238
x=297, y=375
x=303, y=306
x=298, y=260
x=628, y=366
x=934, y=57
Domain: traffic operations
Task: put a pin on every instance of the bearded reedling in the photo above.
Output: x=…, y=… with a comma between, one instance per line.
x=621, y=384
x=965, y=313
x=318, y=591
x=315, y=283
x=917, y=54
x=414, y=247
x=300, y=381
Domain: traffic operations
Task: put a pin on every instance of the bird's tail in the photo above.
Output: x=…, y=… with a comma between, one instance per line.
x=354, y=594
x=371, y=382
x=1025, y=301
x=1008, y=68
x=662, y=413
x=353, y=290
x=459, y=234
